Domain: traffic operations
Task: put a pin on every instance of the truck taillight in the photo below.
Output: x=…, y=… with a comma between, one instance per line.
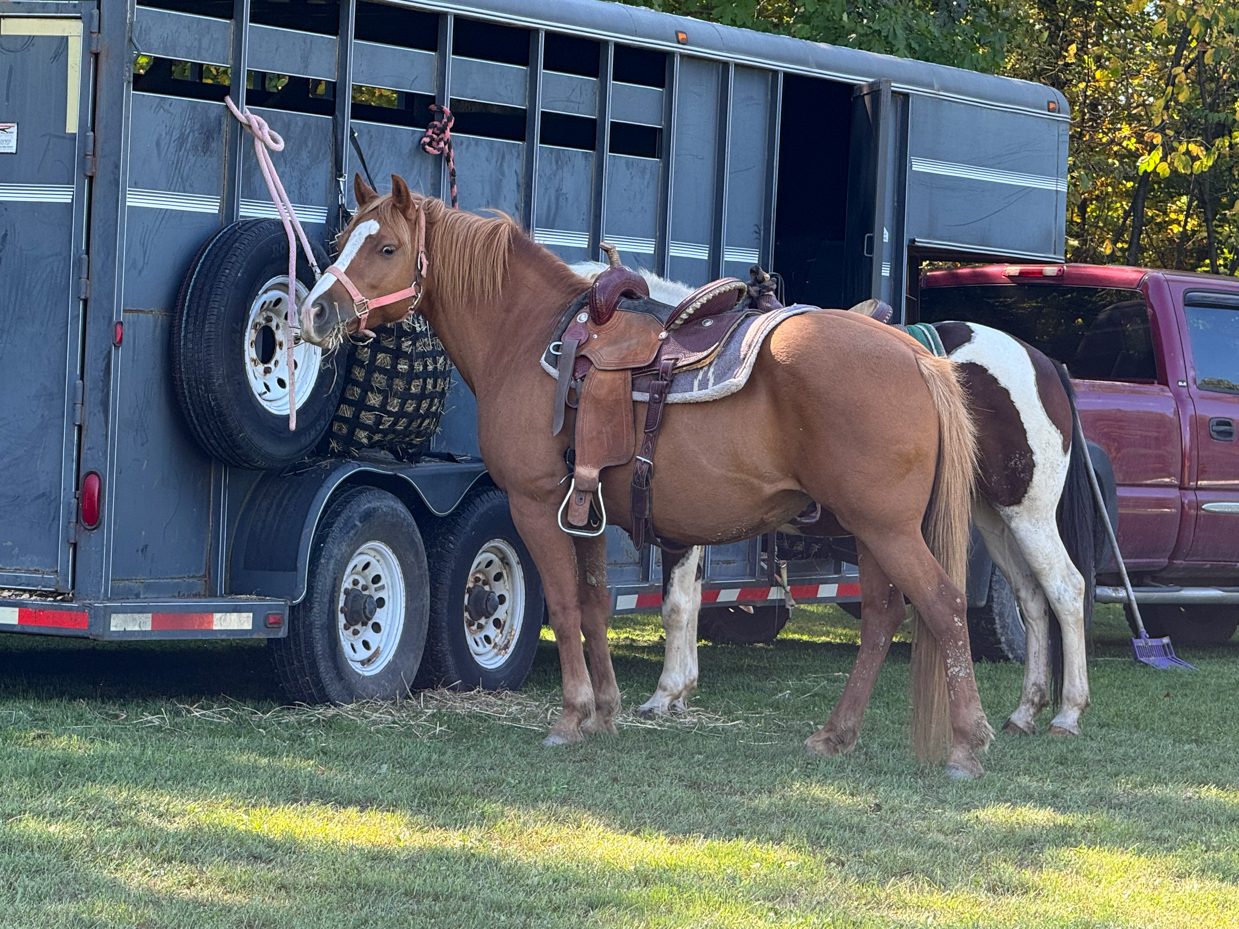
x=1035, y=271
x=91, y=498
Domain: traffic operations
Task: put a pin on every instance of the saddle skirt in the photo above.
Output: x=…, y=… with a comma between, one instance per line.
x=720, y=371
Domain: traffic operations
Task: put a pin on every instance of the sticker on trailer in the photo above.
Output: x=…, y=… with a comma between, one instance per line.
x=44, y=618
x=8, y=138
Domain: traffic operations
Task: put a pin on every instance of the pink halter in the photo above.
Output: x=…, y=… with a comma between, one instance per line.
x=363, y=305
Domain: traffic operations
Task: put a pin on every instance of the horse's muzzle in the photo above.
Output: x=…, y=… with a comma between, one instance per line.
x=318, y=319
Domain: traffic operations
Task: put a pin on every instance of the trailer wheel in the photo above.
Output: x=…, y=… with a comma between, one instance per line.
x=360, y=630
x=734, y=625
x=486, y=602
x=996, y=630
x=1197, y=625
x=228, y=351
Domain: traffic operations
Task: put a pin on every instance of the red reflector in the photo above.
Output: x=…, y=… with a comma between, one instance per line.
x=92, y=486
x=118, y=334
x=275, y=620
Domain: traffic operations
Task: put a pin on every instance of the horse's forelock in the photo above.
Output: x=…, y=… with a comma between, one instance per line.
x=385, y=213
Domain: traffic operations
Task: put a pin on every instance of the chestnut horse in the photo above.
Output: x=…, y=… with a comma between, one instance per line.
x=839, y=409
x=1033, y=507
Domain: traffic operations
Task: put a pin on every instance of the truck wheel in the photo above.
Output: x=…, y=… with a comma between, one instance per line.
x=228, y=352
x=996, y=630
x=1202, y=624
x=733, y=625
x=360, y=630
x=486, y=601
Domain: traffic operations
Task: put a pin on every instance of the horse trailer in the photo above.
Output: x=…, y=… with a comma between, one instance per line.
x=141, y=286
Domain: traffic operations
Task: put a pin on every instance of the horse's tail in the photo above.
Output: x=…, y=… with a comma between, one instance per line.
x=1082, y=532
x=947, y=529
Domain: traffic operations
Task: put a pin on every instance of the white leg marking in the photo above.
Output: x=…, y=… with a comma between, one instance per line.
x=680, y=606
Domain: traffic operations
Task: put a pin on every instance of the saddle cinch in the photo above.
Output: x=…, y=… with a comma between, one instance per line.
x=616, y=340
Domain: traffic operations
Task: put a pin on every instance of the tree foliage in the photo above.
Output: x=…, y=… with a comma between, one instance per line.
x=1153, y=88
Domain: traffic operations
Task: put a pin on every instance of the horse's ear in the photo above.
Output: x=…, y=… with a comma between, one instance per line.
x=363, y=191
x=400, y=195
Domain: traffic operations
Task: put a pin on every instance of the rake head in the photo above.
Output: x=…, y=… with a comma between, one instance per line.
x=1157, y=653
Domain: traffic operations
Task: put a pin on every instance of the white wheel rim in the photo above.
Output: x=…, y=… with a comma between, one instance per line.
x=496, y=587
x=266, y=358
x=369, y=644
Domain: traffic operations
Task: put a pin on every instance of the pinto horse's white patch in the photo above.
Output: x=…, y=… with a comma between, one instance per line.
x=357, y=238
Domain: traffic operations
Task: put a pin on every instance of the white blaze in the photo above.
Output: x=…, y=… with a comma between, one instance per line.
x=357, y=238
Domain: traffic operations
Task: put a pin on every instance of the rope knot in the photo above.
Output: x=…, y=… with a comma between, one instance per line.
x=437, y=140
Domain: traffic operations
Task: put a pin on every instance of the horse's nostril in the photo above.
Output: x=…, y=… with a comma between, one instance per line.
x=318, y=312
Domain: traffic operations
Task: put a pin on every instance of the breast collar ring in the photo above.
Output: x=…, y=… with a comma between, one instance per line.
x=363, y=305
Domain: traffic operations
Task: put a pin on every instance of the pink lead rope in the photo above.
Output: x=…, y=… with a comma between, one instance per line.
x=266, y=140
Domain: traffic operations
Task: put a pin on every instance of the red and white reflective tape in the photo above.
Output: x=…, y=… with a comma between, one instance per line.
x=43, y=618
x=800, y=593
x=171, y=622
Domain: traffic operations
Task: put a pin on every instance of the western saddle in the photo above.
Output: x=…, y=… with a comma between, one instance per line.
x=616, y=340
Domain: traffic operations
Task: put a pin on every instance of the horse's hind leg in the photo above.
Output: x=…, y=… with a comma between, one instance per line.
x=595, y=600
x=1034, y=609
x=906, y=559
x=1063, y=585
x=881, y=612
x=681, y=603
x=556, y=560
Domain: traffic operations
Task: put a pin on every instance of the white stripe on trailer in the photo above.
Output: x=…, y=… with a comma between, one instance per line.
x=234, y=620
x=8, y=616
x=827, y=590
x=626, y=602
x=131, y=622
x=728, y=596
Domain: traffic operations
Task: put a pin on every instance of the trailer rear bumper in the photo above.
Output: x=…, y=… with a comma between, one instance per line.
x=249, y=618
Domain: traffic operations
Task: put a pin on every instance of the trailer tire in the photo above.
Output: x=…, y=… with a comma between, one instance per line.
x=228, y=351
x=732, y=625
x=1193, y=626
x=486, y=602
x=342, y=646
x=996, y=630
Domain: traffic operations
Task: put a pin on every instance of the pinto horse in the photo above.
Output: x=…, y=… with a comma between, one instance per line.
x=1033, y=507
x=839, y=410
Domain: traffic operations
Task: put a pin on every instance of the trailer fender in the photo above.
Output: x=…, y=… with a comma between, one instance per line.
x=270, y=553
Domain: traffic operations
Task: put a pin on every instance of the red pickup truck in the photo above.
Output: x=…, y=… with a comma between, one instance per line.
x=1154, y=356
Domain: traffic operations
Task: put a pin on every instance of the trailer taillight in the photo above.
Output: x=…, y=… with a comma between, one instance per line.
x=92, y=485
x=118, y=334
x=1035, y=271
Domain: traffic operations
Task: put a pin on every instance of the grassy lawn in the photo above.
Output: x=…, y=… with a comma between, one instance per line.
x=164, y=785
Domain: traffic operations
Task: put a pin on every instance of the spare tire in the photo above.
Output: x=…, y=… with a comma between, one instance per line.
x=228, y=354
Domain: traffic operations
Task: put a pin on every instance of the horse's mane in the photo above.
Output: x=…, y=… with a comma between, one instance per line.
x=469, y=254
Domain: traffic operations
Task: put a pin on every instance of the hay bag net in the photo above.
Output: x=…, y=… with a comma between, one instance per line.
x=394, y=391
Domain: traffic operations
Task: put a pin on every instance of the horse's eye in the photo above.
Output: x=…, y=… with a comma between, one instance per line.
x=389, y=250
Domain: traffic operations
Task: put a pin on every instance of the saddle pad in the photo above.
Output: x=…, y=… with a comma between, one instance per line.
x=730, y=369
x=928, y=336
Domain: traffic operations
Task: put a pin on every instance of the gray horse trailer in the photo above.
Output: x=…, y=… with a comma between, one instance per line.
x=697, y=149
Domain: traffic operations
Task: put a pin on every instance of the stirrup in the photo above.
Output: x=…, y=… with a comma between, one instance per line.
x=585, y=533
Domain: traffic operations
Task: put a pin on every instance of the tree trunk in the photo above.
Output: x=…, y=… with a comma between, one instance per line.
x=1181, y=245
x=1137, y=217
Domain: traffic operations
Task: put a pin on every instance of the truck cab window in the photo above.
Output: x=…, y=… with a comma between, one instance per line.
x=1100, y=333
x=1214, y=334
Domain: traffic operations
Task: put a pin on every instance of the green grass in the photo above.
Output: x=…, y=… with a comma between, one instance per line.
x=162, y=785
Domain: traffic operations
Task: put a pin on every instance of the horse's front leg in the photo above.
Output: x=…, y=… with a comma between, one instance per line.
x=681, y=604
x=556, y=558
x=595, y=599
x=881, y=613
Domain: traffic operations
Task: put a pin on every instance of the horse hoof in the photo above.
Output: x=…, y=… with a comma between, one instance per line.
x=959, y=772
x=1064, y=731
x=559, y=738
x=828, y=744
x=1013, y=728
x=652, y=710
